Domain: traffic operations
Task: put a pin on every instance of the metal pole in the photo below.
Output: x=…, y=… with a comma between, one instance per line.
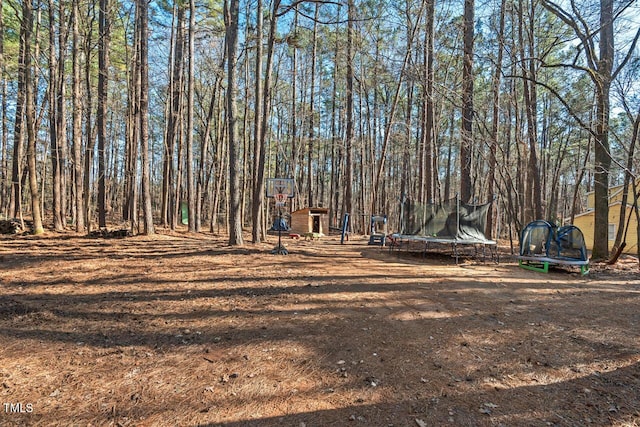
x=455, y=244
x=280, y=228
x=279, y=249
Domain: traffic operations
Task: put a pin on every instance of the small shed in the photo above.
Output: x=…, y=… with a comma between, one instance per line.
x=310, y=220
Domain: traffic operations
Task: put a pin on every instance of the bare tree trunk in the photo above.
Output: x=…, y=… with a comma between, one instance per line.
x=533, y=199
x=191, y=191
x=204, y=178
x=581, y=173
x=495, y=118
x=130, y=206
x=367, y=155
x=247, y=176
x=63, y=142
x=5, y=191
x=38, y=112
x=466, y=135
x=447, y=178
x=147, y=222
x=314, y=52
x=179, y=191
x=333, y=188
x=266, y=113
x=258, y=146
x=30, y=94
x=559, y=156
x=54, y=116
x=167, y=153
x=231, y=39
x=602, y=151
x=348, y=178
x=429, y=131
x=133, y=131
x=4, y=164
x=637, y=214
x=101, y=113
x=220, y=159
x=18, y=132
x=89, y=132
x=170, y=195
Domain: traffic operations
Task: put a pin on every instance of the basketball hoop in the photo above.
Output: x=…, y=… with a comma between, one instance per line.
x=280, y=198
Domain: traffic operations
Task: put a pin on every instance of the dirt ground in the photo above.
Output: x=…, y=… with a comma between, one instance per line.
x=183, y=330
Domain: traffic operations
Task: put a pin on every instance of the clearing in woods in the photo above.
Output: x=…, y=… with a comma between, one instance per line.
x=181, y=329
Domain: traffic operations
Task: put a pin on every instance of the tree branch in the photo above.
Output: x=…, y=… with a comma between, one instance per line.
x=584, y=36
x=569, y=110
x=628, y=56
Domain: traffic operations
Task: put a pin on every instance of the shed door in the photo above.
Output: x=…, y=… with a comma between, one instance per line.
x=316, y=224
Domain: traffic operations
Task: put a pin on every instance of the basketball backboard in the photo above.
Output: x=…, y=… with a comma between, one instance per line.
x=280, y=186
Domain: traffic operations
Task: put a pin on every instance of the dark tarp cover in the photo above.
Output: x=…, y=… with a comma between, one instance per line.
x=448, y=220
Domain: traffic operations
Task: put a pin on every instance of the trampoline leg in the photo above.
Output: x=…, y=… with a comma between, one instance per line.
x=541, y=267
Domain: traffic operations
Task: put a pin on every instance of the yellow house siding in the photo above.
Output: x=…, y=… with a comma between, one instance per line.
x=585, y=222
x=615, y=196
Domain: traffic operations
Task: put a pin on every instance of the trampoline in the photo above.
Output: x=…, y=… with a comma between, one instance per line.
x=543, y=244
x=451, y=223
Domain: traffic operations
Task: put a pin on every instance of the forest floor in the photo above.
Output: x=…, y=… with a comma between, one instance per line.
x=181, y=329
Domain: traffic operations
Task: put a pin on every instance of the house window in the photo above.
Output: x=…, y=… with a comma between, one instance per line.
x=612, y=232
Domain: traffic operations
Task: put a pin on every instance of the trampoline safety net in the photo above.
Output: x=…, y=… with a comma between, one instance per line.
x=543, y=239
x=450, y=219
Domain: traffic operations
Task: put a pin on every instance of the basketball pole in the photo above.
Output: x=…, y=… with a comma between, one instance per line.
x=279, y=249
x=280, y=189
